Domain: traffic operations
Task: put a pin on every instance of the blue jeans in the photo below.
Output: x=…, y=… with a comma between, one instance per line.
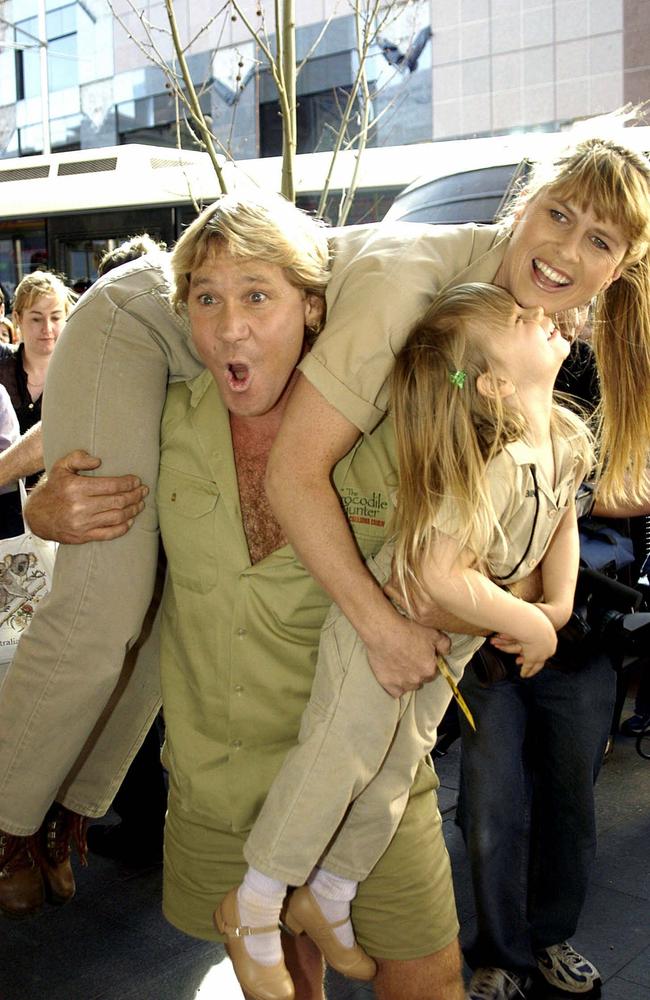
x=526, y=804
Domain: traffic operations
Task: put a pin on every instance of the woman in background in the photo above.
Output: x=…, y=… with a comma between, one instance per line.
x=41, y=306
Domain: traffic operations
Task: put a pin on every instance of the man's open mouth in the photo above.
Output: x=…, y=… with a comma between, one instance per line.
x=238, y=376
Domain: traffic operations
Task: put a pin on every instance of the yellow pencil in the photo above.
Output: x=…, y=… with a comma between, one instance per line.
x=446, y=673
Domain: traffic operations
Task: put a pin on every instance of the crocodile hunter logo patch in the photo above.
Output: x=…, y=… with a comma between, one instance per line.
x=365, y=508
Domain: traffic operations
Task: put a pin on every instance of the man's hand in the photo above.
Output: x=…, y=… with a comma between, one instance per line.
x=403, y=657
x=71, y=508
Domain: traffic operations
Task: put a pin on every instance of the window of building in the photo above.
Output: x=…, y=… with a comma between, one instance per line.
x=318, y=119
x=152, y=121
x=64, y=135
x=62, y=57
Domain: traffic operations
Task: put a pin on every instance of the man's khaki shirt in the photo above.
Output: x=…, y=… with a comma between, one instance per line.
x=239, y=641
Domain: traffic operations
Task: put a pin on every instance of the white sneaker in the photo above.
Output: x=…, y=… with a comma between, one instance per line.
x=565, y=969
x=489, y=983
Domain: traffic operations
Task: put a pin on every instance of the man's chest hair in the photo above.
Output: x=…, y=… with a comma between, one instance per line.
x=263, y=533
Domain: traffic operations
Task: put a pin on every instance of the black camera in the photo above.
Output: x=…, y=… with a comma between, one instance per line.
x=605, y=617
x=629, y=634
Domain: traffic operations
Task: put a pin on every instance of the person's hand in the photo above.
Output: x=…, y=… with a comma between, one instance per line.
x=71, y=508
x=403, y=655
x=533, y=652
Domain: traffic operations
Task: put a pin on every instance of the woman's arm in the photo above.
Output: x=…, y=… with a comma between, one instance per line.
x=23, y=457
x=623, y=508
x=314, y=436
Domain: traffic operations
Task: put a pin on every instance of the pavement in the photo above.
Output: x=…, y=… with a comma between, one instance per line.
x=112, y=943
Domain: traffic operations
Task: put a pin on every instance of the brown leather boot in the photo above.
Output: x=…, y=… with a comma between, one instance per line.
x=61, y=827
x=21, y=882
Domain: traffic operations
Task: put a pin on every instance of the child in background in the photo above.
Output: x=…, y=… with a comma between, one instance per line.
x=485, y=494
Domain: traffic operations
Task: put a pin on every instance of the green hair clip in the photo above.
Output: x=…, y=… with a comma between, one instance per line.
x=458, y=378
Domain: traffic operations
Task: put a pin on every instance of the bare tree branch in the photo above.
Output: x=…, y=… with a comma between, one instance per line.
x=357, y=116
x=206, y=27
x=362, y=42
x=197, y=110
x=365, y=36
x=287, y=60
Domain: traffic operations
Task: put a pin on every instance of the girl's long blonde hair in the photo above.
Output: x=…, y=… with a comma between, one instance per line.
x=614, y=182
x=447, y=434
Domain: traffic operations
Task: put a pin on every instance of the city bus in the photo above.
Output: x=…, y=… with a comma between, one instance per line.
x=63, y=210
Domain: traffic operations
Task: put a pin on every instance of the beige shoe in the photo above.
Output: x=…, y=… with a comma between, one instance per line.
x=304, y=914
x=261, y=982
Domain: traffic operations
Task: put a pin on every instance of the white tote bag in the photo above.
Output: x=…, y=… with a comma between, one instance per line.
x=26, y=566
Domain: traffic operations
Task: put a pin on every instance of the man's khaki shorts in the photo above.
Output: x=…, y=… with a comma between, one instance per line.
x=405, y=909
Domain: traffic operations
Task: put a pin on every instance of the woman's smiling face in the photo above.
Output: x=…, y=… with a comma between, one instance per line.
x=560, y=255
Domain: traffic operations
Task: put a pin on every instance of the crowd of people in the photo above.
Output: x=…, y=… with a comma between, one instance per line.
x=364, y=416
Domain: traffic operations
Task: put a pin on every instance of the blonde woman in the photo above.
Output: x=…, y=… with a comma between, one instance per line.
x=579, y=231
x=41, y=306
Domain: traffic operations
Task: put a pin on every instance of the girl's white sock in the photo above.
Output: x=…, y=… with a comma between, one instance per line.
x=260, y=900
x=334, y=894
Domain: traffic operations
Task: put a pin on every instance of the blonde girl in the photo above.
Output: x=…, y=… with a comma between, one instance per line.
x=484, y=489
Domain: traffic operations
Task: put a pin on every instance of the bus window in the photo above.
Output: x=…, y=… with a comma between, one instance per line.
x=81, y=257
x=23, y=249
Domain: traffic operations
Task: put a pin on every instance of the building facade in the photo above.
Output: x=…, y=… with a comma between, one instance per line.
x=483, y=67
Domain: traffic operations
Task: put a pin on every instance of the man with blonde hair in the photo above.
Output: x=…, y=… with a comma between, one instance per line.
x=241, y=618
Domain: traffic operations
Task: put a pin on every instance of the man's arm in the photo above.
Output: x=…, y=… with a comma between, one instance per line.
x=313, y=438
x=72, y=508
x=23, y=457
